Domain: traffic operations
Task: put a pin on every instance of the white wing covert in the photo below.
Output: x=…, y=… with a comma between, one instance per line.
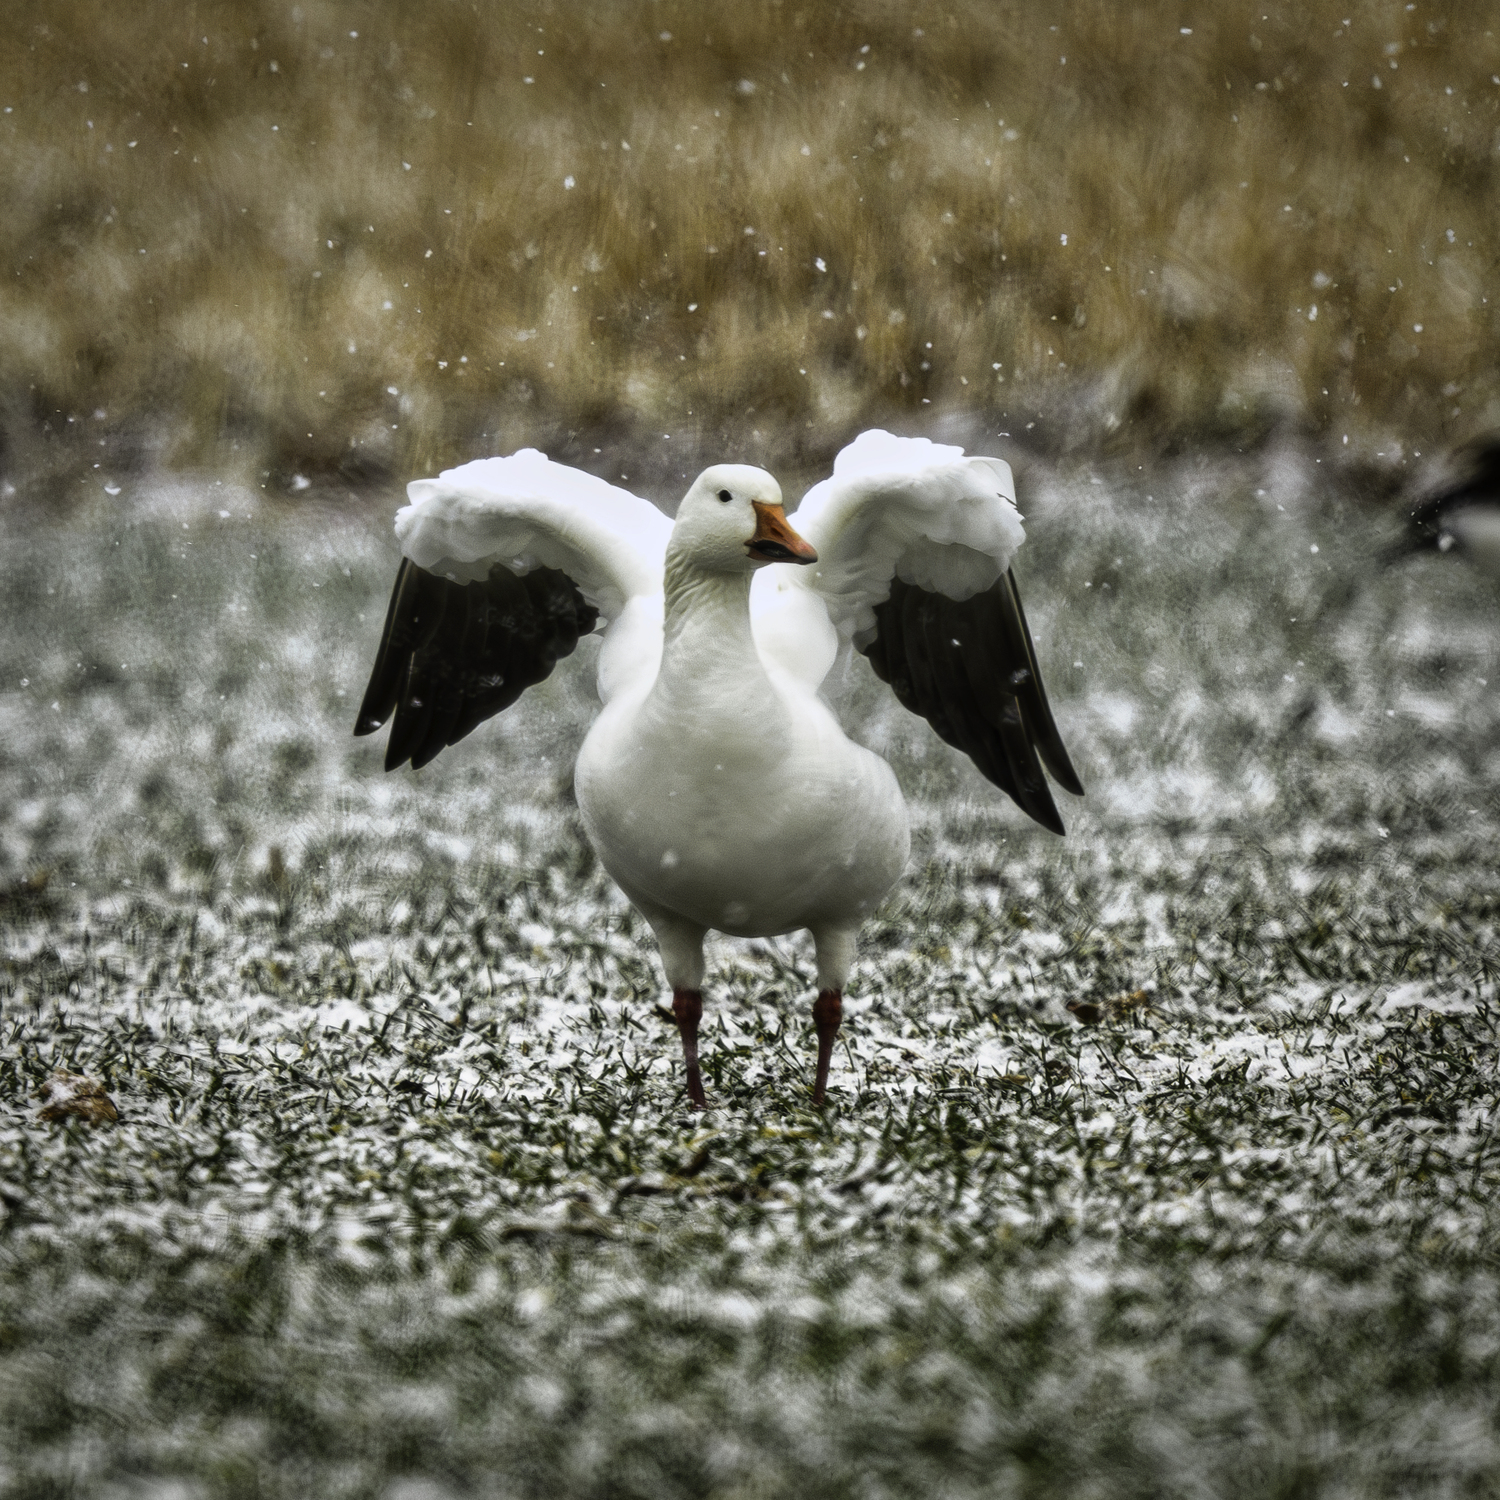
x=508, y=563
x=915, y=541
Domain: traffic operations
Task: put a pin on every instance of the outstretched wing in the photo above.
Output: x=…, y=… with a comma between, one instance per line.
x=969, y=668
x=915, y=542
x=454, y=654
x=509, y=562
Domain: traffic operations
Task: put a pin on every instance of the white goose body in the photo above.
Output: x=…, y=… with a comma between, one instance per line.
x=717, y=786
x=728, y=794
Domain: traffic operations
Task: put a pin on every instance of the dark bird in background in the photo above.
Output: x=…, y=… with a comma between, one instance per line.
x=1464, y=518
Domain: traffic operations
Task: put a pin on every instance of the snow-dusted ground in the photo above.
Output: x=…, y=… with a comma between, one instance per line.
x=404, y=1201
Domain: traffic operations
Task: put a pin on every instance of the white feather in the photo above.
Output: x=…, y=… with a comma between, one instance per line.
x=908, y=508
x=527, y=512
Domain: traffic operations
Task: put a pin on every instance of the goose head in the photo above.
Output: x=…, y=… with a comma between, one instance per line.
x=732, y=521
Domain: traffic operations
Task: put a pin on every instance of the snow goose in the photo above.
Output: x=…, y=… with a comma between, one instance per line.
x=716, y=785
x=1464, y=518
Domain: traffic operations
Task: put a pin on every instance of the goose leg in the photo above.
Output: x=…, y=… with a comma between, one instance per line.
x=835, y=948
x=687, y=1006
x=828, y=1011
x=681, y=944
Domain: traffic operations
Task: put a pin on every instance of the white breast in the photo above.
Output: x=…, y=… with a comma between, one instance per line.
x=729, y=795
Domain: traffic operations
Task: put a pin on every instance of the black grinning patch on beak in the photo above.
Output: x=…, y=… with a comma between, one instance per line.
x=768, y=551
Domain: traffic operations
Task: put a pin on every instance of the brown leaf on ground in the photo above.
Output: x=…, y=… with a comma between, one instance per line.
x=72, y=1096
x=1091, y=1013
x=1122, y=1005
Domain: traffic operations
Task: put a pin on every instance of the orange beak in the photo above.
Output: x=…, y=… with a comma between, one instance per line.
x=774, y=540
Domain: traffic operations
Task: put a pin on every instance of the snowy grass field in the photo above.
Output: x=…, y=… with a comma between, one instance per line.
x=404, y=1200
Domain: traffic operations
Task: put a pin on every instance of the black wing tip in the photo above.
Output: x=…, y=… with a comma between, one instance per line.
x=1011, y=748
x=447, y=647
x=397, y=754
x=1067, y=778
x=1037, y=803
x=1042, y=727
x=1041, y=808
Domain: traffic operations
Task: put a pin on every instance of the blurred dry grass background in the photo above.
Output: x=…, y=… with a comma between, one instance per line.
x=369, y=238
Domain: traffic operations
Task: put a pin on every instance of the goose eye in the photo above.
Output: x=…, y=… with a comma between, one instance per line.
x=725, y=495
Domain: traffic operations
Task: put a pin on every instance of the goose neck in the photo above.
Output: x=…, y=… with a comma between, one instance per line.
x=698, y=598
x=707, y=624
